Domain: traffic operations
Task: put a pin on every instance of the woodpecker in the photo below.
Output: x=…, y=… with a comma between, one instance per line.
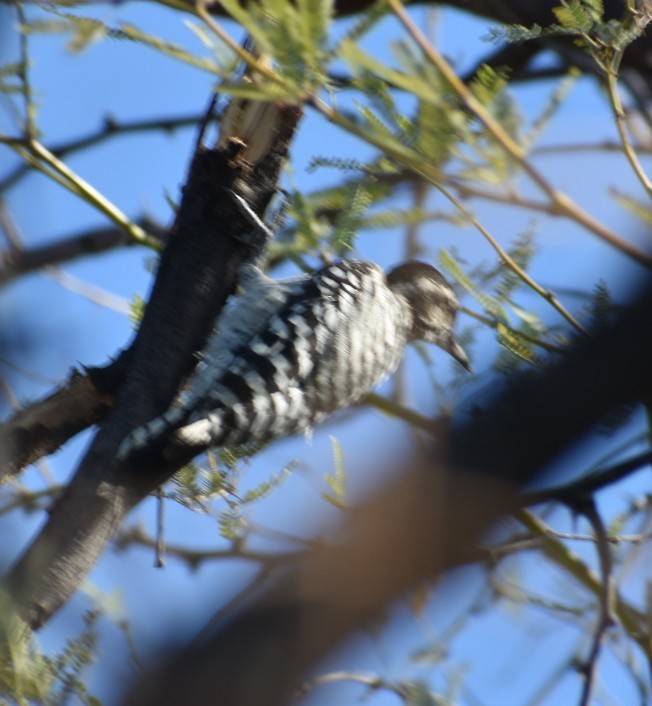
x=285, y=354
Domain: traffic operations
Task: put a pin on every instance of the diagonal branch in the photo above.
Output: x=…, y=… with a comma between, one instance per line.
x=608, y=601
x=110, y=128
x=42, y=428
x=17, y=262
x=198, y=271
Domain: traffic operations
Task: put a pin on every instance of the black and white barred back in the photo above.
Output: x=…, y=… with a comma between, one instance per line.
x=286, y=354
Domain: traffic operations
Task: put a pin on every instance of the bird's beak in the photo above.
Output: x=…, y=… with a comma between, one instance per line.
x=460, y=355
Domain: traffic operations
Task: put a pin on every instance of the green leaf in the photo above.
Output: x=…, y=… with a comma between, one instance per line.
x=16, y=69
x=137, y=308
x=293, y=35
x=233, y=526
x=488, y=83
x=194, y=485
x=522, y=252
x=9, y=88
x=368, y=20
x=265, y=488
x=513, y=34
x=308, y=226
x=416, y=693
x=602, y=307
x=315, y=22
x=510, y=340
x=396, y=217
x=575, y=15
x=131, y=33
x=555, y=102
x=529, y=318
x=450, y=264
x=363, y=64
x=641, y=209
x=267, y=91
x=348, y=222
x=337, y=481
x=85, y=30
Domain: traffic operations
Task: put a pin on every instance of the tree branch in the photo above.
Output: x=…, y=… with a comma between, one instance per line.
x=110, y=128
x=198, y=271
x=608, y=601
x=17, y=262
x=42, y=428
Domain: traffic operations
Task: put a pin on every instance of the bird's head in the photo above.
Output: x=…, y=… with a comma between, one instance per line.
x=434, y=306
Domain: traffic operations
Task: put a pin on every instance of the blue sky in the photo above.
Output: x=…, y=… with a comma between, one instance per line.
x=128, y=81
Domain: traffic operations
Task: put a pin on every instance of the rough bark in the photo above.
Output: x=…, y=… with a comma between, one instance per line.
x=198, y=271
x=42, y=428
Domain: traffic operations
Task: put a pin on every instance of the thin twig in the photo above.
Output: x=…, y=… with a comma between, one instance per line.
x=40, y=157
x=23, y=73
x=92, y=195
x=109, y=129
x=30, y=500
x=159, y=551
x=558, y=552
x=413, y=250
x=509, y=198
x=22, y=147
x=621, y=124
x=611, y=538
x=493, y=323
x=10, y=228
x=607, y=601
x=125, y=626
x=394, y=409
x=194, y=557
x=373, y=681
x=95, y=294
x=249, y=58
x=509, y=261
x=29, y=374
x=574, y=148
x=18, y=260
